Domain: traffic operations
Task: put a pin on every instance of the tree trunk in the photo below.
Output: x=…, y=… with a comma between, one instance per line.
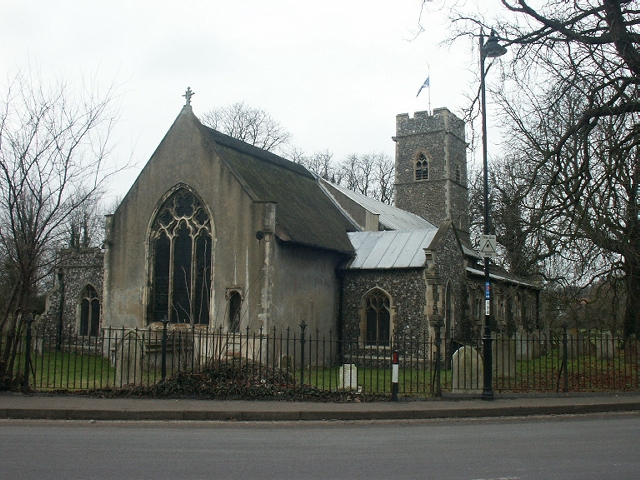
x=632, y=308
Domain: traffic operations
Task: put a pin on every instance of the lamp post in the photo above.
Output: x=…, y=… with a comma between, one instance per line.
x=490, y=49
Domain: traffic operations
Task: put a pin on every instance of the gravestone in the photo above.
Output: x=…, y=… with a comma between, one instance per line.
x=348, y=377
x=467, y=371
x=128, y=359
x=504, y=357
x=579, y=345
x=606, y=346
x=528, y=345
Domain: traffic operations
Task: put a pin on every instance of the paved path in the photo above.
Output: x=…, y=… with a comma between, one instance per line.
x=78, y=407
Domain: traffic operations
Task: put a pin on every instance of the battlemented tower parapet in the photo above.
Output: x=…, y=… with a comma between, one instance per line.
x=422, y=122
x=431, y=167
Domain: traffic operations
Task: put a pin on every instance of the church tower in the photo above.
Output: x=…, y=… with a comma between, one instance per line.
x=431, y=167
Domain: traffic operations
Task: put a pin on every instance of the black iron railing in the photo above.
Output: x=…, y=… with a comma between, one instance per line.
x=562, y=361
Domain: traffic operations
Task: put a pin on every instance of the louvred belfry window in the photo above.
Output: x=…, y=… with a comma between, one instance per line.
x=422, y=167
x=181, y=261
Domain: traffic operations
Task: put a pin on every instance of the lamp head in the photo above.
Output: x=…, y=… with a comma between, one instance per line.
x=492, y=47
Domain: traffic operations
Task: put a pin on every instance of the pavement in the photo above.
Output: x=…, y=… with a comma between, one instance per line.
x=80, y=407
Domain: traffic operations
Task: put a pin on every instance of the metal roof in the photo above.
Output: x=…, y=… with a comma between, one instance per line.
x=392, y=218
x=390, y=249
x=505, y=277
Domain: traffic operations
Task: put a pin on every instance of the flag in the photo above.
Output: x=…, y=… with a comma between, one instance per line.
x=424, y=85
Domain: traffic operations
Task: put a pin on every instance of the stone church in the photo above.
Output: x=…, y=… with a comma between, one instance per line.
x=217, y=233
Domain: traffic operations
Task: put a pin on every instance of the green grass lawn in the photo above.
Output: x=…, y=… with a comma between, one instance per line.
x=584, y=374
x=70, y=371
x=59, y=370
x=377, y=380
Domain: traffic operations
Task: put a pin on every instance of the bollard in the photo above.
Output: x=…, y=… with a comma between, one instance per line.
x=394, y=377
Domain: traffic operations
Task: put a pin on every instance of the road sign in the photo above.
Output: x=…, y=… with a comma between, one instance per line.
x=488, y=246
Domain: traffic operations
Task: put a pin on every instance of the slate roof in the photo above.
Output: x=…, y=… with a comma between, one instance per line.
x=390, y=249
x=305, y=215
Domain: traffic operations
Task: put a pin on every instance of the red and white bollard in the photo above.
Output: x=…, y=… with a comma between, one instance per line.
x=394, y=377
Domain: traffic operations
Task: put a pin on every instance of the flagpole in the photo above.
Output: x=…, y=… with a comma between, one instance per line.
x=426, y=85
x=429, y=77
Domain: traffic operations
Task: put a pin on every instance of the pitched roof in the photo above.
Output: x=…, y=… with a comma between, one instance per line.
x=390, y=249
x=502, y=276
x=390, y=217
x=305, y=215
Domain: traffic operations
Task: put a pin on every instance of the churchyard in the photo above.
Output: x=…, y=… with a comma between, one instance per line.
x=119, y=360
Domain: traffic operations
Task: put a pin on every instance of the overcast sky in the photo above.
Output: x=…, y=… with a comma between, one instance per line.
x=334, y=73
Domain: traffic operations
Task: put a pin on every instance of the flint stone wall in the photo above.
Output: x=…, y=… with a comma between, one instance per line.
x=79, y=267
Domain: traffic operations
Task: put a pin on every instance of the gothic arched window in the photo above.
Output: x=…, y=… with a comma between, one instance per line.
x=181, y=260
x=89, y=312
x=377, y=318
x=422, y=167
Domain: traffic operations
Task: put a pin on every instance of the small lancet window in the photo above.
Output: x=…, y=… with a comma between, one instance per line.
x=235, y=308
x=422, y=167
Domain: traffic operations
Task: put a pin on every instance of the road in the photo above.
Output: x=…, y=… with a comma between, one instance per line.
x=567, y=447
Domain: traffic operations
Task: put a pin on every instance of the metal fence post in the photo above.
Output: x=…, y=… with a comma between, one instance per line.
x=438, y=365
x=163, y=367
x=27, y=358
x=303, y=326
x=60, y=311
x=565, y=358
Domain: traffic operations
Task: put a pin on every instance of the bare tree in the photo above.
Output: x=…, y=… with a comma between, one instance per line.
x=320, y=163
x=86, y=225
x=370, y=174
x=570, y=96
x=524, y=247
x=52, y=148
x=251, y=125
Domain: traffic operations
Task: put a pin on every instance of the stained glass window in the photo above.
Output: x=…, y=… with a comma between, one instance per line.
x=181, y=261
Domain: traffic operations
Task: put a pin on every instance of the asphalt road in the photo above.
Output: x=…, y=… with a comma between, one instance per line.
x=566, y=447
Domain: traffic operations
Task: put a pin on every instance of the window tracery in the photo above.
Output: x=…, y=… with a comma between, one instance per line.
x=89, y=312
x=181, y=260
x=377, y=310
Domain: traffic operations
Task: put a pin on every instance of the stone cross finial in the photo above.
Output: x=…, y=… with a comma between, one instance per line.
x=188, y=94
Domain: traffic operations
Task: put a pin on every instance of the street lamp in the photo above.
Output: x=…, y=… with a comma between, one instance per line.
x=490, y=49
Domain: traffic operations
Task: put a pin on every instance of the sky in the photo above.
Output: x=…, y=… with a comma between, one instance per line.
x=333, y=73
